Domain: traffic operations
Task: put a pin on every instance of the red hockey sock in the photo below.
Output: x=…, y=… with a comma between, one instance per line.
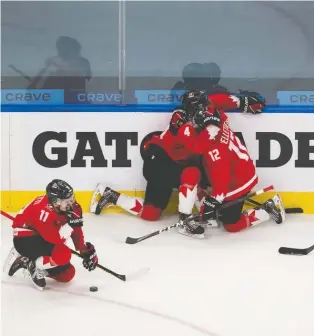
x=190, y=177
x=248, y=218
x=150, y=212
x=130, y=204
x=241, y=224
x=65, y=276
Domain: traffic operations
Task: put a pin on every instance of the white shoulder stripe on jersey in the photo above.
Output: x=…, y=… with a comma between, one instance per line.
x=244, y=186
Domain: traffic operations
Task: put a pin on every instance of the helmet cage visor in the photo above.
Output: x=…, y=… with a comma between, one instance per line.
x=65, y=204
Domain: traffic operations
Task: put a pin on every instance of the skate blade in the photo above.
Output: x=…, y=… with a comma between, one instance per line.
x=28, y=275
x=95, y=198
x=188, y=234
x=208, y=224
x=13, y=254
x=279, y=205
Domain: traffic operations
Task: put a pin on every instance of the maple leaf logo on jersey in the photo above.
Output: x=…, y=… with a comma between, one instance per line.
x=220, y=198
x=212, y=131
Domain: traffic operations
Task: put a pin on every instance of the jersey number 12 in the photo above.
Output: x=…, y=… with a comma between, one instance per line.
x=214, y=154
x=237, y=147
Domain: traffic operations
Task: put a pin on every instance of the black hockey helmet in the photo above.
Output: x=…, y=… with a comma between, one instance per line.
x=193, y=101
x=58, y=190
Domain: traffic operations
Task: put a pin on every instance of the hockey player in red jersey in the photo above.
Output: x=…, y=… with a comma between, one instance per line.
x=229, y=169
x=40, y=232
x=168, y=164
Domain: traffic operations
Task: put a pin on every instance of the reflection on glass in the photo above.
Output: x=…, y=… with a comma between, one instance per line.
x=204, y=76
x=62, y=45
x=58, y=70
x=223, y=45
x=170, y=47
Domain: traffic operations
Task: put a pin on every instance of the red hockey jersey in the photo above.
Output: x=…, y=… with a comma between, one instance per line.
x=39, y=218
x=173, y=145
x=229, y=168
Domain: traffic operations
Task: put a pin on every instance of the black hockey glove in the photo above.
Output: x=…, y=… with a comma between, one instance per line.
x=90, y=258
x=178, y=118
x=209, y=208
x=251, y=102
x=203, y=118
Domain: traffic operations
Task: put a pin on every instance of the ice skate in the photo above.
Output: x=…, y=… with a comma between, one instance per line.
x=108, y=198
x=36, y=275
x=19, y=263
x=210, y=223
x=10, y=259
x=191, y=229
x=274, y=207
x=96, y=196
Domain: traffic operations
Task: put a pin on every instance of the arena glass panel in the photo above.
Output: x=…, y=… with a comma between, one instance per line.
x=66, y=45
x=220, y=46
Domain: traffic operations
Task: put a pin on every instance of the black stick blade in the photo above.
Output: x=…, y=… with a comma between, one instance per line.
x=294, y=210
x=130, y=240
x=292, y=251
x=122, y=277
x=295, y=251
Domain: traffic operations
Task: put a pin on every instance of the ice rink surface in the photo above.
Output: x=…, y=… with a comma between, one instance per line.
x=225, y=285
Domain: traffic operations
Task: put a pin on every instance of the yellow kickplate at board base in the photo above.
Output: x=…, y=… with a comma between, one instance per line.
x=13, y=201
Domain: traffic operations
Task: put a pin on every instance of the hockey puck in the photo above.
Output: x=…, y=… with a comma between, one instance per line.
x=93, y=289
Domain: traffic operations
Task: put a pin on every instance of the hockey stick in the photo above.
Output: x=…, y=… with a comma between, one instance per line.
x=4, y=214
x=287, y=210
x=296, y=251
x=130, y=240
x=119, y=276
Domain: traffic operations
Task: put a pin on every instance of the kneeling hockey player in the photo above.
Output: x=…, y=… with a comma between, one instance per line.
x=41, y=230
x=229, y=169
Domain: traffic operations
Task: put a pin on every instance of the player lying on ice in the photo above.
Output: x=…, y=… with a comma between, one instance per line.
x=169, y=164
x=40, y=232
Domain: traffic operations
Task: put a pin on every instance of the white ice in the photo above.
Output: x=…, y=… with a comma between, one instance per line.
x=225, y=285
